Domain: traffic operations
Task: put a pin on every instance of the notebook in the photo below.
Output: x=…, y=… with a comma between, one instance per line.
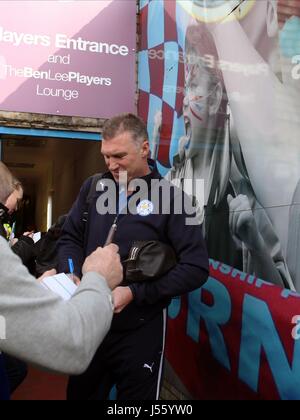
x=60, y=284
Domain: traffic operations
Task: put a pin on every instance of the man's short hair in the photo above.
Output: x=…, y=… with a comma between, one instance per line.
x=7, y=183
x=17, y=184
x=126, y=123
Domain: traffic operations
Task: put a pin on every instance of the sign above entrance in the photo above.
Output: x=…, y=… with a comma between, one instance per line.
x=71, y=58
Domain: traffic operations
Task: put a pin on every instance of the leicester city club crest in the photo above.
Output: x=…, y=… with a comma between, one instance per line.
x=145, y=208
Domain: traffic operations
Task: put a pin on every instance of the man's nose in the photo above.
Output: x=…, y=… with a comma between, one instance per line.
x=113, y=165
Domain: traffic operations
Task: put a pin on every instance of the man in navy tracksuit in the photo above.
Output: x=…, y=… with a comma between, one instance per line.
x=131, y=356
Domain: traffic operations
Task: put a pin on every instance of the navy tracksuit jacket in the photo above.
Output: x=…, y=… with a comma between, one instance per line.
x=79, y=239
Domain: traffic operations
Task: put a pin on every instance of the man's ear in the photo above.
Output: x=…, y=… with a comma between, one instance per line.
x=216, y=99
x=145, y=149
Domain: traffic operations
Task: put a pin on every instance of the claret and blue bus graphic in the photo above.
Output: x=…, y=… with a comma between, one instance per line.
x=219, y=86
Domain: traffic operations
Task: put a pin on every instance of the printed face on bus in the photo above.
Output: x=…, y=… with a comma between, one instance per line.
x=203, y=95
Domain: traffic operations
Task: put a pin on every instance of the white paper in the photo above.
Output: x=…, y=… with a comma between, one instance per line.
x=36, y=237
x=60, y=284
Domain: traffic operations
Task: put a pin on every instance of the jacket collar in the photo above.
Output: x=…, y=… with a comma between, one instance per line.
x=154, y=174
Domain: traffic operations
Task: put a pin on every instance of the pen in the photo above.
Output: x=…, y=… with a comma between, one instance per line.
x=122, y=205
x=71, y=267
x=111, y=233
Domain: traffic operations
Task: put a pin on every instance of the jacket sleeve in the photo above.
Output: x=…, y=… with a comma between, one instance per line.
x=40, y=328
x=25, y=249
x=192, y=268
x=71, y=242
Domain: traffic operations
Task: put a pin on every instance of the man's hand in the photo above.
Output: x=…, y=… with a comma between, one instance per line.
x=47, y=274
x=13, y=241
x=122, y=296
x=106, y=262
x=29, y=234
x=74, y=278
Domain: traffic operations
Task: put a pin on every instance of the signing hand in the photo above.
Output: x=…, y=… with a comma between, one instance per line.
x=122, y=296
x=74, y=278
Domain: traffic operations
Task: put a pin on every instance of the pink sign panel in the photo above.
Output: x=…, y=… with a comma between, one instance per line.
x=72, y=58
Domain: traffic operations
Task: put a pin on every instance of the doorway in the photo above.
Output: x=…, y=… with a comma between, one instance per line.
x=52, y=171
